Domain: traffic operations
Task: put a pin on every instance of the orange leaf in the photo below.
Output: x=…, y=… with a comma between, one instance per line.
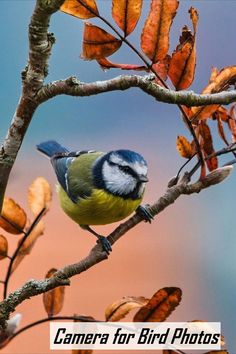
x=3, y=247
x=97, y=43
x=183, y=60
x=184, y=147
x=80, y=8
x=221, y=113
x=214, y=73
x=207, y=146
x=160, y=306
x=107, y=64
x=225, y=78
x=126, y=14
x=220, y=82
x=232, y=127
x=28, y=244
x=39, y=195
x=221, y=131
x=155, y=35
x=53, y=299
x=119, y=309
x=13, y=217
x=232, y=121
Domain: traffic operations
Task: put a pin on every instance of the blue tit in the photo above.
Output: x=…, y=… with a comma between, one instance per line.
x=97, y=188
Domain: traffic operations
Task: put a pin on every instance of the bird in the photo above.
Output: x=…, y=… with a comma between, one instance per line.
x=98, y=188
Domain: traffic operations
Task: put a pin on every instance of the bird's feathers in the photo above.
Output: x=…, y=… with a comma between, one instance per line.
x=76, y=178
x=97, y=188
x=100, y=208
x=51, y=148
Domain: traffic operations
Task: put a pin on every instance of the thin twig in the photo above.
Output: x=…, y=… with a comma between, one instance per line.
x=150, y=67
x=97, y=255
x=54, y=318
x=12, y=259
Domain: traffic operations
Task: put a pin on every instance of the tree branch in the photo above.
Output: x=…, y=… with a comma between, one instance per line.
x=40, y=43
x=73, y=87
x=96, y=255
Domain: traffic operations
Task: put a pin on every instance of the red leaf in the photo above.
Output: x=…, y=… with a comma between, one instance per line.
x=80, y=8
x=155, y=35
x=97, y=43
x=126, y=14
x=107, y=64
x=183, y=60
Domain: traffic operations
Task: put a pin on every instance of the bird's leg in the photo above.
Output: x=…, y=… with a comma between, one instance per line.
x=144, y=213
x=103, y=240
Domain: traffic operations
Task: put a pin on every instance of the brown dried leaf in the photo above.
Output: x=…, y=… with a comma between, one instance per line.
x=221, y=131
x=207, y=146
x=183, y=60
x=221, y=113
x=107, y=64
x=28, y=244
x=97, y=43
x=39, y=195
x=13, y=218
x=232, y=121
x=225, y=78
x=214, y=74
x=53, y=299
x=155, y=35
x=160, y=306
x=169, y=352
x=3, y=247
x=119, y=309
x=80, y=8
x=232, y=127
x=126, y=14
x=184, y=147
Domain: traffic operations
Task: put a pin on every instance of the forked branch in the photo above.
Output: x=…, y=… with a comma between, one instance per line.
x=96, y=255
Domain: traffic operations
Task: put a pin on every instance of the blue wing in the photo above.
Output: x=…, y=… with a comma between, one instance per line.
x=61, y=160
x=61, y=164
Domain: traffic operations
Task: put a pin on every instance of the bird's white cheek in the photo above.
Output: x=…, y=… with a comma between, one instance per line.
x=116, y=181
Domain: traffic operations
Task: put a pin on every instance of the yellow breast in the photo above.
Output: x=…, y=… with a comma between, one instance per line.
x=99, y=209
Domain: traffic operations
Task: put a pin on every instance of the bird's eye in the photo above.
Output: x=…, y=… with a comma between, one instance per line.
x=126, y=169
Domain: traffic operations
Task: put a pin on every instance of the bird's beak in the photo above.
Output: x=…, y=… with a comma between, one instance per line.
x=143, y=179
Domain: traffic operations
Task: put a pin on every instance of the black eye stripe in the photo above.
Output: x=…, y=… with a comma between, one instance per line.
x=126, y=169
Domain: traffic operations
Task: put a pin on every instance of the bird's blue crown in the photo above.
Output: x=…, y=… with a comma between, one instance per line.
x=128, y=155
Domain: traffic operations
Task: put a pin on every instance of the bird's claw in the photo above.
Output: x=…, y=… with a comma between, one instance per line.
x=105, y=244
x=144, y=213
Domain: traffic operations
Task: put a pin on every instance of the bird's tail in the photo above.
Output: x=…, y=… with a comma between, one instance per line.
x=51, y=148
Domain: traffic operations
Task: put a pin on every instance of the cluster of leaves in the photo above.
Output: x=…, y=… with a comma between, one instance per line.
x=156, y=309
x=15, y=221
x=179, y=66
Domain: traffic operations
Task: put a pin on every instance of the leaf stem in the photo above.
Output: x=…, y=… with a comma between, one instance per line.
x=12, y=259
x=149, y=66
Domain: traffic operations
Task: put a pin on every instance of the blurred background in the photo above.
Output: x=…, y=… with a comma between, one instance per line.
x=190, y=245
